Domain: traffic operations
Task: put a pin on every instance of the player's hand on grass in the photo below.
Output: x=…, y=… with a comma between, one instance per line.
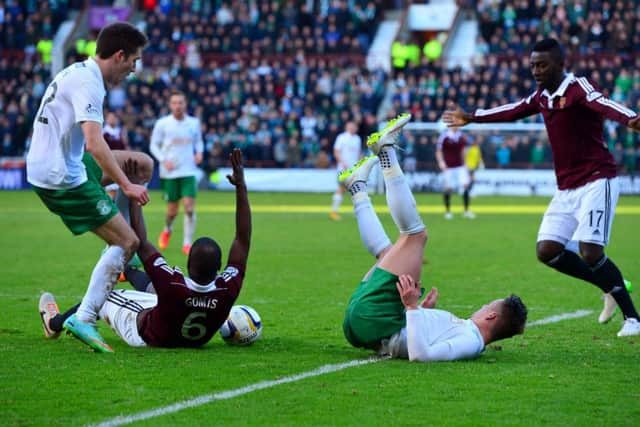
x=237, y=178
x=455, y=116
x=431, y=299
x=409, y=291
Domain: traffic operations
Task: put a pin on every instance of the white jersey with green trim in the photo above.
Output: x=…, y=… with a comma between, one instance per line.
x=178, y=141
x=75, y=95
x=437, y=335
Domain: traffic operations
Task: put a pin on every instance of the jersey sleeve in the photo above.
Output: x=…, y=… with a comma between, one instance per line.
x=231, y=278
x=508, y=112
x=594, y=100
x=160, y=273
x=459, y=347
x=155, y=144
x=198, y=142
x=87, y=99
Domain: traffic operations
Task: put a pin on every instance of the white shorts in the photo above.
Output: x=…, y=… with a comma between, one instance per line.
x=121, y=313
x=584, y=214
x=112, y=187
x=456, y=178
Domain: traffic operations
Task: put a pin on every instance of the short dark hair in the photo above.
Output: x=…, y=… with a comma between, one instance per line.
x=552, y=46
x=119, y=36
x=513, y=317
x=177, y=92
x=204, y=260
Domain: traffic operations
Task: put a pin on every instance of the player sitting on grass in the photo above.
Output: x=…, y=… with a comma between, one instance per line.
x=187, y=311
x=383, y=313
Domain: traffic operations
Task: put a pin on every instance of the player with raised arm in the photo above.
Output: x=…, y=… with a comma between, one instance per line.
x=573, y=111
x=450, y=155
x=184, y=311
x=69, y=162
x=176, y=142
x=383, y=313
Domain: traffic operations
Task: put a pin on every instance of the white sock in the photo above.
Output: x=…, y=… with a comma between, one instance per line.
x=372, y=233
x=402, y=205
x=336, y=201
x=189, y=225
x=122, y=202
x=389, y=163
x=103, y=279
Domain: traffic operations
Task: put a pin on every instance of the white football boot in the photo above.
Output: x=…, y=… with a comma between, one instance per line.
x=48, y=310
x=630, y=328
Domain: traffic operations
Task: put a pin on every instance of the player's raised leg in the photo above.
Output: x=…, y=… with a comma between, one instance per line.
x=372, y=233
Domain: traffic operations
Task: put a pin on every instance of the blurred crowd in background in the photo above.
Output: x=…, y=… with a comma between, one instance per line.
x=280, y=79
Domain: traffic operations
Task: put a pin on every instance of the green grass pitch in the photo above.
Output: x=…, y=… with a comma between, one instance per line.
x=302, y=270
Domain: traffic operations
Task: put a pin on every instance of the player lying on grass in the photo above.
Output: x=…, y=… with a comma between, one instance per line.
x=383, y=313
x=585, y=202
x=187, y=311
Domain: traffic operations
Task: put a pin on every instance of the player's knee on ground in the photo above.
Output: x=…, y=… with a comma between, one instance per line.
x=547, y=250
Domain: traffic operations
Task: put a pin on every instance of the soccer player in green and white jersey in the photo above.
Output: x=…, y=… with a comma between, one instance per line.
x=384, y=313
x=69, y=162
x=176, y=142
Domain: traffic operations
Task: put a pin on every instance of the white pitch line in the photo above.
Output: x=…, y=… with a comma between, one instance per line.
x=229, y=394
x=560, y=317
x=326, y=369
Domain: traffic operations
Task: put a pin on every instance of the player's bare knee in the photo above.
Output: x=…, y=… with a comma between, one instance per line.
x=546, y=252
x=422, y=236
x=592, y=254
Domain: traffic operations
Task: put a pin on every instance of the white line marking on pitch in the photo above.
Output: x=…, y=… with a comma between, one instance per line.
x=560, y=317
x=326, y=369
x=229, y=394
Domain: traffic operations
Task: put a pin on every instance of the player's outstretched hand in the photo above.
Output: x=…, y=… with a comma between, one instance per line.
x=455, y=116
x=237, y=178
x=135, y=191
x=409, y=291
x=431, y=299
x=635, y=123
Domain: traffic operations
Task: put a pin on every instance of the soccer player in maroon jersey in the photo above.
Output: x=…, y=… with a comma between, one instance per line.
x=184, y=311
x=450, y=155
x=573, y=111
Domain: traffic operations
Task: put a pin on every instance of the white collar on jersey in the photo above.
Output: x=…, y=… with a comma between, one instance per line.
x=568, y=79
x=93, y=66
x=199, y=288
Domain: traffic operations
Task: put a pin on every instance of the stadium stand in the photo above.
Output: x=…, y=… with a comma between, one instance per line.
x=279, y=80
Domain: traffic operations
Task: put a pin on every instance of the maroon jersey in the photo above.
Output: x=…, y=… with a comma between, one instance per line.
x=187, y=314
x=574, y=117
x=452, y=144
x=113, y=137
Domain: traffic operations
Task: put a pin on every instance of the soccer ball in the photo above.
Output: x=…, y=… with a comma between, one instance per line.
x=242, y=327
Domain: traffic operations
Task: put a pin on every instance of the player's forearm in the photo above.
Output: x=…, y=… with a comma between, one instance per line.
x=140, y=229
x=503, y=113
x=100, y=151
x=243, y=216
x=612, y=110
